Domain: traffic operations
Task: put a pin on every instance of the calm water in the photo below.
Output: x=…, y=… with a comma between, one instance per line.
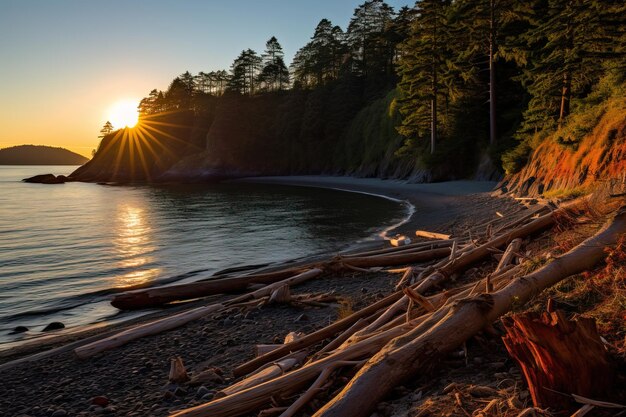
x=64, y=249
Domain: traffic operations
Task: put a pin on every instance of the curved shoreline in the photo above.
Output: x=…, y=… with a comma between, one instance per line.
x=410, y=208
x=435, y=208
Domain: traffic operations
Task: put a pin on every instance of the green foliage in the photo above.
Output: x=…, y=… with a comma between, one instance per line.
x=365, y=100
x=371, y=138
x=514, y=160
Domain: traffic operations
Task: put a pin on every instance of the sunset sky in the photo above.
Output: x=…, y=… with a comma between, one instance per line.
x=64, y=63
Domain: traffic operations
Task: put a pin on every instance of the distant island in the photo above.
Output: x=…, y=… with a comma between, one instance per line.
x=39, y=155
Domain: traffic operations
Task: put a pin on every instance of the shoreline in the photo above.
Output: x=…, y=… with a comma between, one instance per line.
x=423, y=199
x=132, y=376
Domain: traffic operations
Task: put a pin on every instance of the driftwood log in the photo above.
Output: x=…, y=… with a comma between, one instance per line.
x=157, y=296
x=417, y=351
x=177, y=320
x=395, y=259
x=559, y=356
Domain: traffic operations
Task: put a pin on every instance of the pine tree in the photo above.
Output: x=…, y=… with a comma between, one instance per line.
x=106, y=130
x=274, y=76
x=322, y=58
x=568, y=48
x=488, y=29
x=423, y=71
x=371, y=50
x=244, y=73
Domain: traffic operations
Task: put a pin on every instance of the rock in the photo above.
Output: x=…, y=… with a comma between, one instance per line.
x=100, y=400
x=206, y=377
x=208, y=397
x=46, y=179
x=19, y=329
x=59, y=413
x=180, y=392
x=202, y=391
x=168, y=396
x=55, y=325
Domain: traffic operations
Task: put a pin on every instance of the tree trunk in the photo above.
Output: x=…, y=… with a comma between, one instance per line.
x=559, y=356
x=565, y=97
x=153, y=297
x=396, y=259
x=416, y=352
x=492, y=74
x=316, y=336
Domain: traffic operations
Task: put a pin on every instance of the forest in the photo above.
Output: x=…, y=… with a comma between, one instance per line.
x=426, y=93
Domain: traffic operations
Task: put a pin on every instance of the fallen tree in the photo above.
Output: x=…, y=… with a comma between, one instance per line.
x=400, y=351
x=177, y=320
x=417, y=352
x=157, y=296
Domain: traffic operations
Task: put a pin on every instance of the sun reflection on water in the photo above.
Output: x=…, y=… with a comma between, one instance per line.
x=134, y=243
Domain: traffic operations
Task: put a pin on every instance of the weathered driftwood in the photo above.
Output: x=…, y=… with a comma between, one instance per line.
x=252, y=398
x=316, y=387
x=153, y=297
x=559, y=356
x=262, y=349
x=280, y=295
x=255, y=397
x=178, y=373
x=395, y=259
x=268, y=373
x=417, y=351
x=505, y=262
x=143, y=330
x=412, y=247
x=472, y=256
x=509, y=255
x=316, y=336
x=177, y=320
x=431, y=235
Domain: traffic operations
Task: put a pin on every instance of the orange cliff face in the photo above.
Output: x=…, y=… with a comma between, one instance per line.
x=598, y=160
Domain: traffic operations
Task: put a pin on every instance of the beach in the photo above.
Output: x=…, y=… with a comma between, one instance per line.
x=134, y=378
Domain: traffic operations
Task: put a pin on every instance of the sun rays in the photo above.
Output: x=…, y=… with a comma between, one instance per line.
x=145, y=148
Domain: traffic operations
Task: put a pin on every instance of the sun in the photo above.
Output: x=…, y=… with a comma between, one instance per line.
x=123, y=114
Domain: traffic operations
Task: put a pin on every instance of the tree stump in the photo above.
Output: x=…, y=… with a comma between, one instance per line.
x=559, y=357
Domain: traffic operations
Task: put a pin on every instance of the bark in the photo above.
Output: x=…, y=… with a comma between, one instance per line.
x=396, y=259
x=153, y=297
x=412, y=247
x=177, y=320
x=143, y=330
x=431, y=235
x=316, y=336
x=558, y=355
x=178, y=373
x=474, y=255
x=266, y=374
x=416, y=352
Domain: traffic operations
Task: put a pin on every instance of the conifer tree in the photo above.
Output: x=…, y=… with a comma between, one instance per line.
x=423, y=71
x=371, y=50
x=274, y=76
x=244, y=72
x=106, y=129
x=568, y=48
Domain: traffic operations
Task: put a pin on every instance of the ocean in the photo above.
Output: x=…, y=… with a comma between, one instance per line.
x=66, y=248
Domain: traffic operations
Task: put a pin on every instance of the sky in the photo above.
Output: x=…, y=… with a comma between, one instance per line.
x=65, y=63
